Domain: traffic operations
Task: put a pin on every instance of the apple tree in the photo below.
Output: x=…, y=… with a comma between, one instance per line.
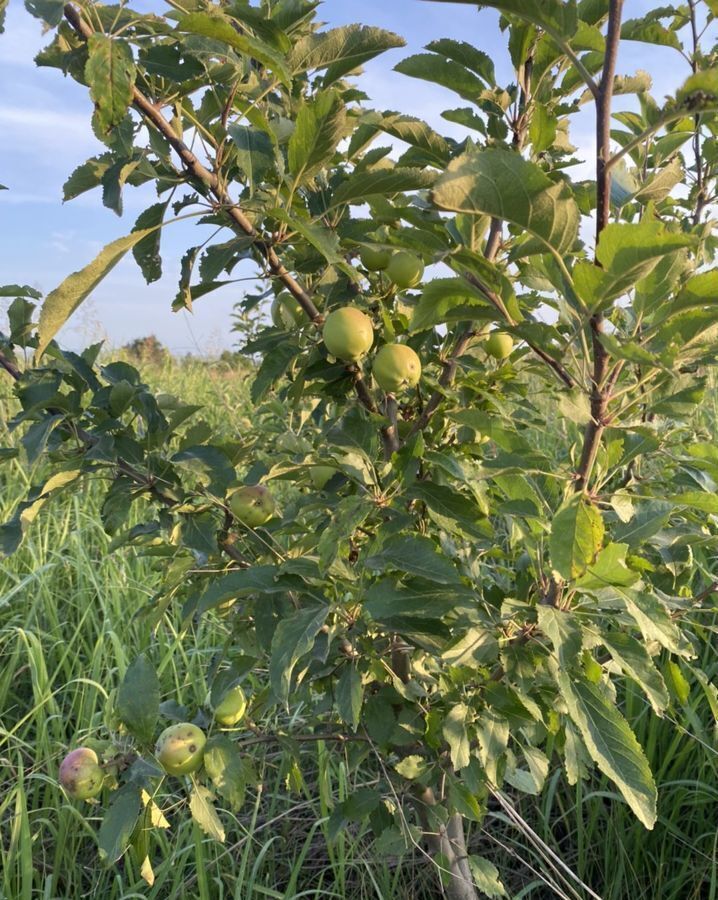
x=470, y=507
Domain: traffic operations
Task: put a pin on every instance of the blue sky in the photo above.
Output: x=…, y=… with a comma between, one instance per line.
x=45, y=130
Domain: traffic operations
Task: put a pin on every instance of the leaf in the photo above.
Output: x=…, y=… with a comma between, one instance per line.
x=119, y=823
x=486, y=877
x=110, y=74
x=477, y=647
x=415, y=555
x=649, y=32
x=454, y=730
x=147, y=251
x=350, y=695
x=661, y=182
x=447, y=300
x=320, y=125
x=612, y=745
x=633, y=658
x=564, y=631
x=204, y=813
x=655, y=622
x=468, y=55
x=610, y=568
x=50, y=11
x=62, y=302
x=138, y=699
x=362, y=185
x=554, y=16
x=87, y=176
x=446, y=72
x=493, y=734
x=416, y=133
x=293, y=638
x=340, y=50
x=255, y=152
x=500, y=183
x=219, y=28
x=576, y=537
x=223, y=764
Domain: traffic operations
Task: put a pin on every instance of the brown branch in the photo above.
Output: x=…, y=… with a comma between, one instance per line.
x=10, y=367
x=195, y=168
x=600, y=391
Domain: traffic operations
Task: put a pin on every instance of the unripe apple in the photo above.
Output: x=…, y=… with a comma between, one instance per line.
x=231, y=707
x=252, y=505
x=320, y=475
x=180, y=748
x=405, y=269
x=81, y=774
x=348, y=333
x=375, y=259
x=396, y=367
x=286, y=311
x=499, y=345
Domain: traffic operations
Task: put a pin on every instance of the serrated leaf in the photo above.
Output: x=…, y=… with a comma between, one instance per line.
x=118, y=823
x=223, y=764
x=110, y=74
x=204, y=813
x=486, y=877
x=62, y=302
x=655, y=622
x=492, y=731
x=477, y=647
x=255, y=152
x=563, y=629
x=87, y=176
x=350, y=695
x=500, y=183
x=576, y=536
x=293, y=638
x=445, y=72
x=454, y=731
x=340, y=50
x=554, y=16
x=319, y=127
x=633, y=658
x=609, y=568
x=147, y=251
x=138, y=699
x=446, y=300
x=415, y=555
x=385, y=182
x=612, y=745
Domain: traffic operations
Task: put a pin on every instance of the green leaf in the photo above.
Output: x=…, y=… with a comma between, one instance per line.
x=655, y=622
x=243, y=582
x=363, y=185
x=612, y=745
x=542, y=129
x=415, y=555
x=500, y=183
x=468, y=55
x=633, y=658
x=610, y=568
x=493, y=734
x=446, y=72
x=319, y=127
x=447, y=300
x=554, y=16
x=477, y=647
x=576, y=537
x=110, y=74
x=87, y=176
x=486, y=877
x=119, y=823
x=454, y=730
x=416, y=133
x=564, y=631
x=340, y=50
x=650, y=33
x=50, y=11
x=223, y=763
x=147, y=251
x=204, y=813
x=61, y=303
x=138, y=699
x=255, y=152
x=350, y=695
x=293, y=638
x=219, y=28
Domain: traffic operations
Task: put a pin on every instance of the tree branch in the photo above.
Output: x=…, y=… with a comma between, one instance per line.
x=600, y=391
x=225, y=203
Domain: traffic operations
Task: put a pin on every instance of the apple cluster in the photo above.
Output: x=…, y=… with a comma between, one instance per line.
x=179, y=750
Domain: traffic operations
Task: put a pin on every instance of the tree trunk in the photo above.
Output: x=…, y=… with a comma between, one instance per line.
x=447, y=846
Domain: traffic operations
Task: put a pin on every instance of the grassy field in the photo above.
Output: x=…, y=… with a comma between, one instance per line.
x=68, y=629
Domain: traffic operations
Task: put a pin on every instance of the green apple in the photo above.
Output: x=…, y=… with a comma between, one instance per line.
x=405, y=269
x=81, y=774
x=231, y=707
x=320, y=475
x=499, y=345
x=375, y=259
x=348, y=333
x=396, y=367
x=252, y=505
x=180, y=748
x=287, y=312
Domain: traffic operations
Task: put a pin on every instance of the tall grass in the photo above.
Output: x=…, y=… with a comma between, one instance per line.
x=68, y=630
